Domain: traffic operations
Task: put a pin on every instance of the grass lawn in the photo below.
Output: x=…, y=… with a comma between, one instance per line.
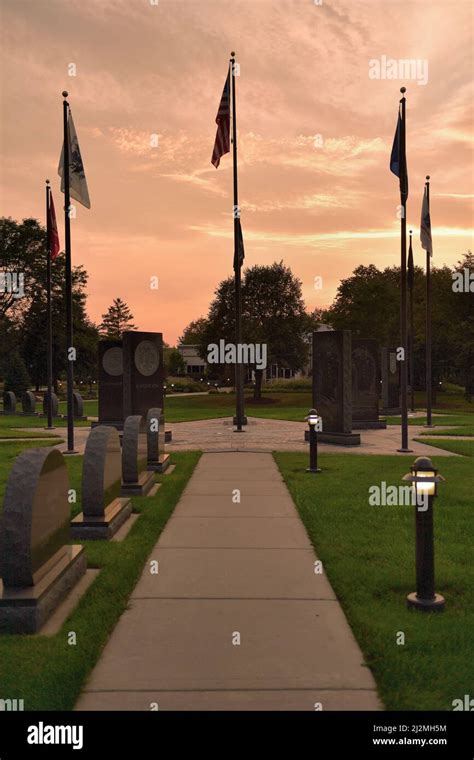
x=45, y=671
x=462, y=431
x=8, y=421
x=465, y=448
x=368, y=554
x=466, y=418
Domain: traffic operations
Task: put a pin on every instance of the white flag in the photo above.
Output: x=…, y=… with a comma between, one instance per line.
x=425, y=225
x=77, y=178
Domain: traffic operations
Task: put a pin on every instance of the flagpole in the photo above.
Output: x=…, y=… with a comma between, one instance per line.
x=69, y=326
x=412, y=338
x=403, y=278
x=49, y=321
x=429, y=386
x=239, y=394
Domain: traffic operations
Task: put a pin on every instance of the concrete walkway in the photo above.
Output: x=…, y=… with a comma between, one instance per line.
x=230, y=571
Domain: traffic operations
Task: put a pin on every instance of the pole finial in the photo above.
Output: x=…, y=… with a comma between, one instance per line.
x=47, y=181
x=65, y=93
x=428, y=177
x=403, y=90
x=232, y=54
x=411, y=232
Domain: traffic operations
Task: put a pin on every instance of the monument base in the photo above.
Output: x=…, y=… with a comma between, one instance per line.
x=142, y=487
x=338, y=439
x=244, y=420
x=161, y=465
x=89, y=528
x=26, y=610
x=369, y=425
x=391, y=411
x=427, y=605
x=118, y=424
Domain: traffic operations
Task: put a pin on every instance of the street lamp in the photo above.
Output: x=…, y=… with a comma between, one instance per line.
x=314, y=422
x=424, y=479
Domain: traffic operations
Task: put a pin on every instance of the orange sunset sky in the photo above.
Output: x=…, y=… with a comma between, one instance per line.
x=145, y=67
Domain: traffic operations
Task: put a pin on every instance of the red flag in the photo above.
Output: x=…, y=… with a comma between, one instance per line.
x=53, y=241
x=222, y=143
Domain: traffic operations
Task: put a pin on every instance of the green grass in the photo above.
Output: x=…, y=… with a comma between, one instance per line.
x=462, y=431
x=7, y=434
x=45, y=671
x=368, y=554
x=440, y=421
x=277, y=406
x=8, y=421
x=465, y=448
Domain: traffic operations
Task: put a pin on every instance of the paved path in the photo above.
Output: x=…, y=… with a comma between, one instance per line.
x=228, y=569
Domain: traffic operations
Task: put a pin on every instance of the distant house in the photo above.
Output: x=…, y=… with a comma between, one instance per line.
x=195, y=366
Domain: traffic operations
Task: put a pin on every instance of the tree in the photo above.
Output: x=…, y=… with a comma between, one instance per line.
x=273, y=313
x=174, y=363
x=23, y=325
x=116, y=320
x=16, y=376
x=193, y=332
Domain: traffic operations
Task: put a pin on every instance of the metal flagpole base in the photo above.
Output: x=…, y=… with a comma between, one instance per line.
x=69, y=451
x=311, y=469
x=429, y=426
x=427, y=605
x=405, y=451
x=49, y=428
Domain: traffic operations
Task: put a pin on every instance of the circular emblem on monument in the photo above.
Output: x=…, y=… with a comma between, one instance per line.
x=112, y=361
x=147, y=359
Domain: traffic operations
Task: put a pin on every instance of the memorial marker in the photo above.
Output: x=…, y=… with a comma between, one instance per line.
x=136, y=480
x=365, y=385
x=390, y=373
x=37, y=566
x=28, y=403
x=9, y=402
x=103, y=511
x=157, y=460
x=54, y=405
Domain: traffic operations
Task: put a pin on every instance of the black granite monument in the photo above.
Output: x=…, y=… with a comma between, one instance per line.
x=157, y=460
x=390, y=373
x=365, y=385
x=9, y=402
x=55, y=404
x=37, y=566
x=111, y=383
x=136, y=479
x=28, y=403
x=103, y=511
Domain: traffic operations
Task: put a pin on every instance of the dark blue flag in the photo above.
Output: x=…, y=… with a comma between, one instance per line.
x=398, y=160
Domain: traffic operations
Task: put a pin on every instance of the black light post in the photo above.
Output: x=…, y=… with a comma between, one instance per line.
x=424, y=479
x=314, y=424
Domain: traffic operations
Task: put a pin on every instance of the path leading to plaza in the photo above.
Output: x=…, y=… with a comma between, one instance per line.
x=236, y=617
x=272, y=435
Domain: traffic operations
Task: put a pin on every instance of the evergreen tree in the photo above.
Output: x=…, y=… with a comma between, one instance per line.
x=16, y=376
x=116, y=320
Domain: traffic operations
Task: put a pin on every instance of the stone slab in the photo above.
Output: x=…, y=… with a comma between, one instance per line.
x=225, y=473
x=284, y=645
x=252, y=700
x=25, y=610
x=123, y=532
x=86, y=528
x=265, y=532
x=234, y=574
x=142, y=487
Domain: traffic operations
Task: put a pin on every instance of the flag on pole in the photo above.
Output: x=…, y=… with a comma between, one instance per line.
x=222, y=142
x=239, y=253
x=77, y=178
x=398, y=159
x=53, y=242
x=425, y=224
x=411, y=268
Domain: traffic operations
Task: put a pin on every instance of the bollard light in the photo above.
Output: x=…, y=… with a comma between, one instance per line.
x=424, y=479
x=314, y=420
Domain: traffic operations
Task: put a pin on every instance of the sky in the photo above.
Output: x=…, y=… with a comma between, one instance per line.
x=315, y=122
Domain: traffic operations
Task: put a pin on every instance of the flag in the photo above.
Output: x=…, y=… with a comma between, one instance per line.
x=411, y=268
x=239, y=253
x=53, y=242
x=222, y=143
x=77, y=178
x=398, y=162
x=425, y=224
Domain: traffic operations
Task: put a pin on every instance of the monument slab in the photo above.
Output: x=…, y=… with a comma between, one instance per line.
x=136, y=479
